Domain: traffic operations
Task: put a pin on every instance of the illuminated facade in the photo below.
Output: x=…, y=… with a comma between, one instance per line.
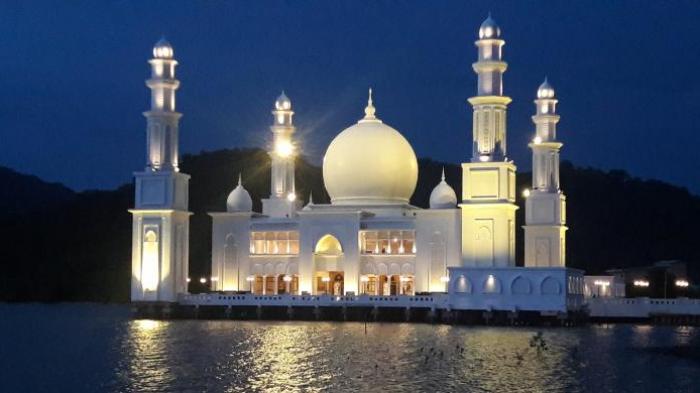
x=369, y=240
x=160, y=231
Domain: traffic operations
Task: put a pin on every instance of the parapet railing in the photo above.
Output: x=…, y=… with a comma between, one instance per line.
x=642, y=307
x=437, y=300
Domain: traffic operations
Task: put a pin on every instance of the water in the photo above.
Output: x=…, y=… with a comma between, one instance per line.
x=98, y=348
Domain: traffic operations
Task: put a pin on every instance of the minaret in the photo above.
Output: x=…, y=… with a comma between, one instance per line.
x=545, y=207
x=283, y=200
x=160, y=217
x=488, y=196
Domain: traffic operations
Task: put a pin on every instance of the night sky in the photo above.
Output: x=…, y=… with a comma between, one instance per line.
x=72, y=79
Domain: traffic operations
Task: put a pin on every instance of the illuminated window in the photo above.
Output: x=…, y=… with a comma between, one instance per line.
x=149, y=261
x=389, y=242
x=274, y=243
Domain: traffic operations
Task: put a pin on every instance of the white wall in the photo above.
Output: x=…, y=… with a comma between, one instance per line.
x=517, y=288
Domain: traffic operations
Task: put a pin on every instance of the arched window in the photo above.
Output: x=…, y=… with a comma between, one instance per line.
x=229, y=278
x=328, y=245
x=149, y=261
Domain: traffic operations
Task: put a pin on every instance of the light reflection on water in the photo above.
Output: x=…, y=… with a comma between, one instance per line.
x=101, y=349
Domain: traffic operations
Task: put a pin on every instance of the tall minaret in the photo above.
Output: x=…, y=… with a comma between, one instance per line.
x=283, y=199
x=488, y=196
x=545, y=207
x=159, y=262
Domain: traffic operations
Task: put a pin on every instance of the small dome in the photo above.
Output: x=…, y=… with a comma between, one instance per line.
x=545, y=90
x=283, y=102
x=443, y=196
x=239, y=199
x=163, y=49
x=370, y=163
x=489, y=29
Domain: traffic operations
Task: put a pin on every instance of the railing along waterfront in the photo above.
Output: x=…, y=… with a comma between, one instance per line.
x=435, y=300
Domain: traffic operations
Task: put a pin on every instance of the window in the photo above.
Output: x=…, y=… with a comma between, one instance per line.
x=389, y=242
x=274, y=243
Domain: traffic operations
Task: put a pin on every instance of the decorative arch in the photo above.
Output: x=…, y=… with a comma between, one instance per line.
x=382, y=269
x=550, y=286
x=269, y=269
x=151, y=236
x=328, y=245
x=228, y=276
x=257, y=269
x=407, y=269
x=292, y=268
x=520, y=286
x=394, y=269
x=462, y=284
x=368, y=268
x=492, y=284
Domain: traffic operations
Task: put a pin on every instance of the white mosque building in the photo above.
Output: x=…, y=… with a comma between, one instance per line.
x=369, y=240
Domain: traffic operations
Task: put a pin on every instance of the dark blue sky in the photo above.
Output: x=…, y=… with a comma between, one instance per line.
x=72, y=78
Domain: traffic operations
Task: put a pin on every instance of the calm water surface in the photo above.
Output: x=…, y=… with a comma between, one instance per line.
x=97, y=348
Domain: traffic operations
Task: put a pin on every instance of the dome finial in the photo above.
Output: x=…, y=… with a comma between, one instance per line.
x=311, y=197
x=489, y=29
x=443, y=174
x=370, y=110
x=240, y=183
x=545, y=90
x=162, y=49
x=283, y=102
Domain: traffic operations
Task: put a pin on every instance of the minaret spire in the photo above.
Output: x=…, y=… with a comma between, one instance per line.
x=545, y=207
x=489, y=105
x=282, y=201
x=488, y=192
x=160, y=231
x=163, y=120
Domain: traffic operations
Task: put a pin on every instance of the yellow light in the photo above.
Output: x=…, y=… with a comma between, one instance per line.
x=526, y=193
x=682, y=283
x=483, y=158
x=641, y=283
x=147, y=324
x=444, y=279
x=149, y=268
x=601, y=283
x=250, y=278
x=215, y=279
x=537, y=140
x=326, y=279
x=291, y=197
x=189, y=279
x=284, y=148
x=287, y=278
x=364, y=279
x=203, y=280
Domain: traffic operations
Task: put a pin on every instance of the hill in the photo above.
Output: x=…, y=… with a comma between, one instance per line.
x=80, y=249
x=22, y=193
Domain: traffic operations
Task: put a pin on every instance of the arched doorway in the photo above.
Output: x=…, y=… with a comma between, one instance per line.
x=329, y=278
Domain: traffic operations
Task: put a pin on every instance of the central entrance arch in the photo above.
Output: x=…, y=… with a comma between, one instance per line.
x=329, y=277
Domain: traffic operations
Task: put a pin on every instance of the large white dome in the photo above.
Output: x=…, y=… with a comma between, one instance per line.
x=370, y=163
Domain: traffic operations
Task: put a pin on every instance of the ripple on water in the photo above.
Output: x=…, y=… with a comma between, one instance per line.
x=98, y=348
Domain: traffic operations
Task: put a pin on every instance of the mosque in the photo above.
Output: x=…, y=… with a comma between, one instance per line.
x=369, y=240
